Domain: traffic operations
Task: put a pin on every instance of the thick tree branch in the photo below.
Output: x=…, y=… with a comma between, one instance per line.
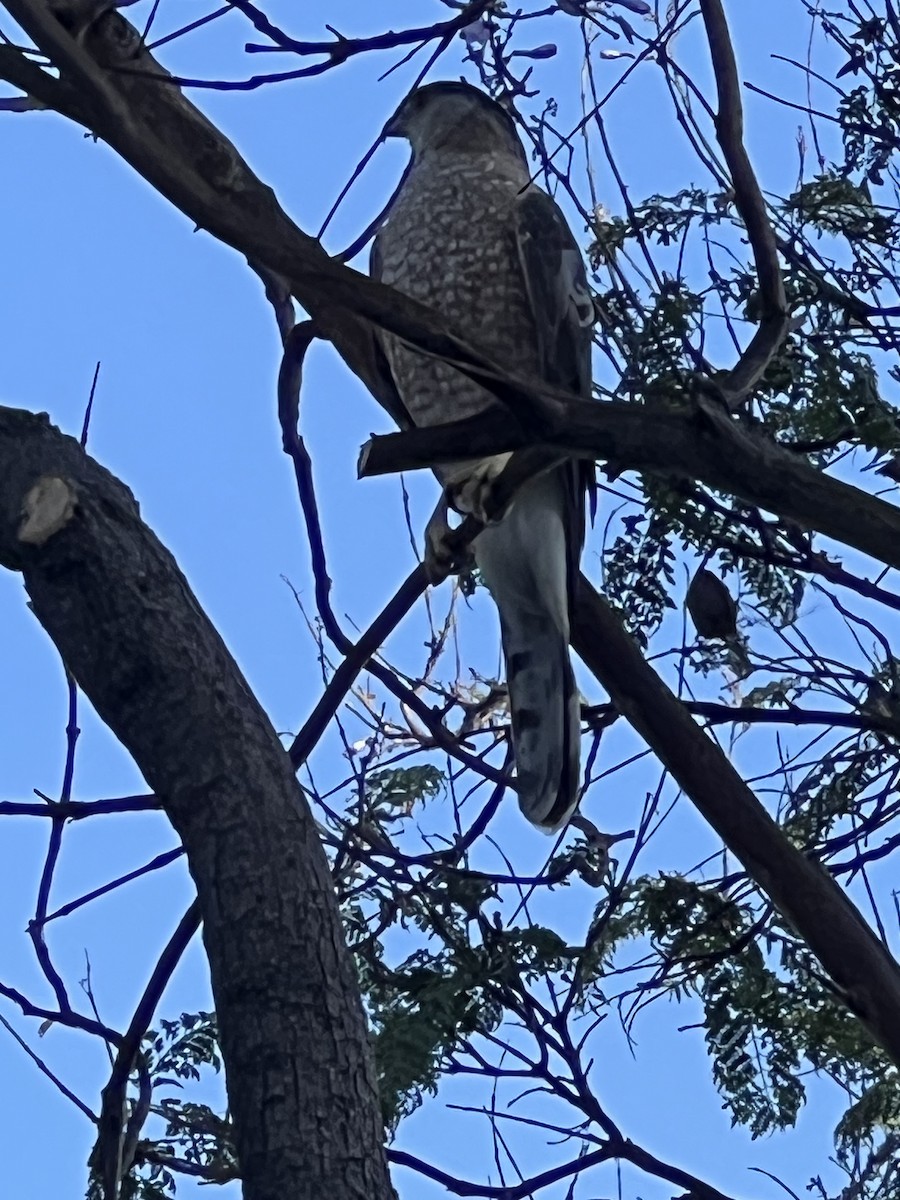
x=133, y=635
x=702, y=442
x=125, y=100
x=52, y=93
x=168, y=141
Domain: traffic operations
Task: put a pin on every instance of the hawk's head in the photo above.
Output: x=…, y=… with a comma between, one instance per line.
x=454, y=116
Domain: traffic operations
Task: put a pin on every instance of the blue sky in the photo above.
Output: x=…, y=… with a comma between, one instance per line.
x=96, y=267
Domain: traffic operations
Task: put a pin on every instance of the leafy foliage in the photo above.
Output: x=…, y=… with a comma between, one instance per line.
x=639, y=573
x=194, y=1137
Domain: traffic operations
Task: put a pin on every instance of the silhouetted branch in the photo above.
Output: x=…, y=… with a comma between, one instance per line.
x=155, y=864
x=45, y=1070
x=750, y=204
x=79, y=810
x=718, y=714
x=342, y=48
x=67, y=1017
x=357, y=656
x=615, y=1149
x=108, y=1156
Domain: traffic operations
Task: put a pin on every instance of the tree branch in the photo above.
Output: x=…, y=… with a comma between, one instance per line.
x=702, y=442
x=187, y=160
x=111, y=1161
x=718, y=714
x=750, y=204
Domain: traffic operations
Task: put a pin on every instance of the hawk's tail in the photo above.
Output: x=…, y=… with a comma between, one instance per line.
x=545, y=718
x=525, y=562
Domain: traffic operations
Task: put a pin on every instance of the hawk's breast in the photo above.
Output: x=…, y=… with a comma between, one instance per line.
x=450, y=242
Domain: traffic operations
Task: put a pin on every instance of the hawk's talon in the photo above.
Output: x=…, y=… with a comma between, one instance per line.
x=442, y=553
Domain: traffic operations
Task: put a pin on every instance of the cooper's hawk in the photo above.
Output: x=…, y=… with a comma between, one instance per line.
x=469, y=235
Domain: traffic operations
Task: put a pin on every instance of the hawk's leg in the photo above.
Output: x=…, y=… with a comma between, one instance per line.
x=470, y=490
x=473, y=491
x=442, y=553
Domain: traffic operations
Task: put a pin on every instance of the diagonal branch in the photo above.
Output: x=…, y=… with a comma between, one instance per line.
x=180, y=153
x=124, y=100
x=42, y=1066
x=804, y=893
x=109, y=1153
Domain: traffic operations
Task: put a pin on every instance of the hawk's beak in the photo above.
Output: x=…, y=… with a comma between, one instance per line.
x=398, y=124
x=394, y=127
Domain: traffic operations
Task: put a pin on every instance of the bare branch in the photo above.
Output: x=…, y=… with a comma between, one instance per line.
x=78, y=810
x=717, y=714
x=750, y=204
x=42, y=1066
x=108, y=1153
x=155, y=864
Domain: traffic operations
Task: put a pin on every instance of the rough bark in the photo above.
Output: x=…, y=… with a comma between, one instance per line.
x=300, y=1078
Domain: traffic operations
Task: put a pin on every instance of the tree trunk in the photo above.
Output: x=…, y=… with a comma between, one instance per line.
x=300, y=1076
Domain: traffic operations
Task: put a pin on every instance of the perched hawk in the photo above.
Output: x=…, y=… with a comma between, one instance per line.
x=469, y=235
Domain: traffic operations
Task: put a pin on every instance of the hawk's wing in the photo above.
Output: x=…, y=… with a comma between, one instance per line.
x=530, y=559
x=557, y=291
x=563, y=312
